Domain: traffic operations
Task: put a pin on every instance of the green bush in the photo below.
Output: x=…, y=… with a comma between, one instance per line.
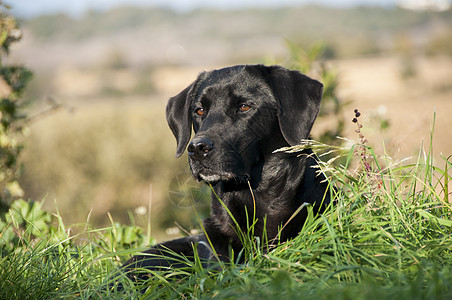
x=13, y=80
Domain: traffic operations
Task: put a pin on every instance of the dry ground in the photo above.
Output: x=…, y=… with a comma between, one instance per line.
x=376, y=86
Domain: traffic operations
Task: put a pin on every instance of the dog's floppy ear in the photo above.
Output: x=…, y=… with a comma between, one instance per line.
x=298, y=102
x=178, y=114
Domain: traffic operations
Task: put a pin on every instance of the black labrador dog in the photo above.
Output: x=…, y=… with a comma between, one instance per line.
x=240, y=115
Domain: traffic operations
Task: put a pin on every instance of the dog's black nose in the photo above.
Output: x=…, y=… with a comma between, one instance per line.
x=199, y=147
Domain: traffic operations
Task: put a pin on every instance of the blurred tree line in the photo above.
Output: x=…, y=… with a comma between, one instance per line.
x=352, y=31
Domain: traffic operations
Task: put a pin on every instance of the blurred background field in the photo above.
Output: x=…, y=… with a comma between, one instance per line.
x=106, y=75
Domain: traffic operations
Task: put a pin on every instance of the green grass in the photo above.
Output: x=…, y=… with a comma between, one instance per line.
x=387, y=236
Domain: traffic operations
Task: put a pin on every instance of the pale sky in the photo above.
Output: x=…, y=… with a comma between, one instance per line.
x=26, y=8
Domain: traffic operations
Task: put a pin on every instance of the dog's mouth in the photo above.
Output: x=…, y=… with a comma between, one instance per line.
x=212, y=178
x=222, y=169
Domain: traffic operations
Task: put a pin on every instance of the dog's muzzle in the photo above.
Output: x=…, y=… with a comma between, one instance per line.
x=199, y=149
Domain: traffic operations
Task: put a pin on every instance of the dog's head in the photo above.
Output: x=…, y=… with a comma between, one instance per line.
x=239, y=115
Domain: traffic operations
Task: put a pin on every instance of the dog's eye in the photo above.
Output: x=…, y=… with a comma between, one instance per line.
x=199, y=111
x=244, y=107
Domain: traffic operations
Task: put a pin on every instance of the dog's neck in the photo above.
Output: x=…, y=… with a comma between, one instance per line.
x=274, y=173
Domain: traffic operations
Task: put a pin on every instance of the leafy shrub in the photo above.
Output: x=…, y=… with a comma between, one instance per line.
x=13, y=80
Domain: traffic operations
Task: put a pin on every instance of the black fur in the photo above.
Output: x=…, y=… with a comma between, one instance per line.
x=240, y=115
